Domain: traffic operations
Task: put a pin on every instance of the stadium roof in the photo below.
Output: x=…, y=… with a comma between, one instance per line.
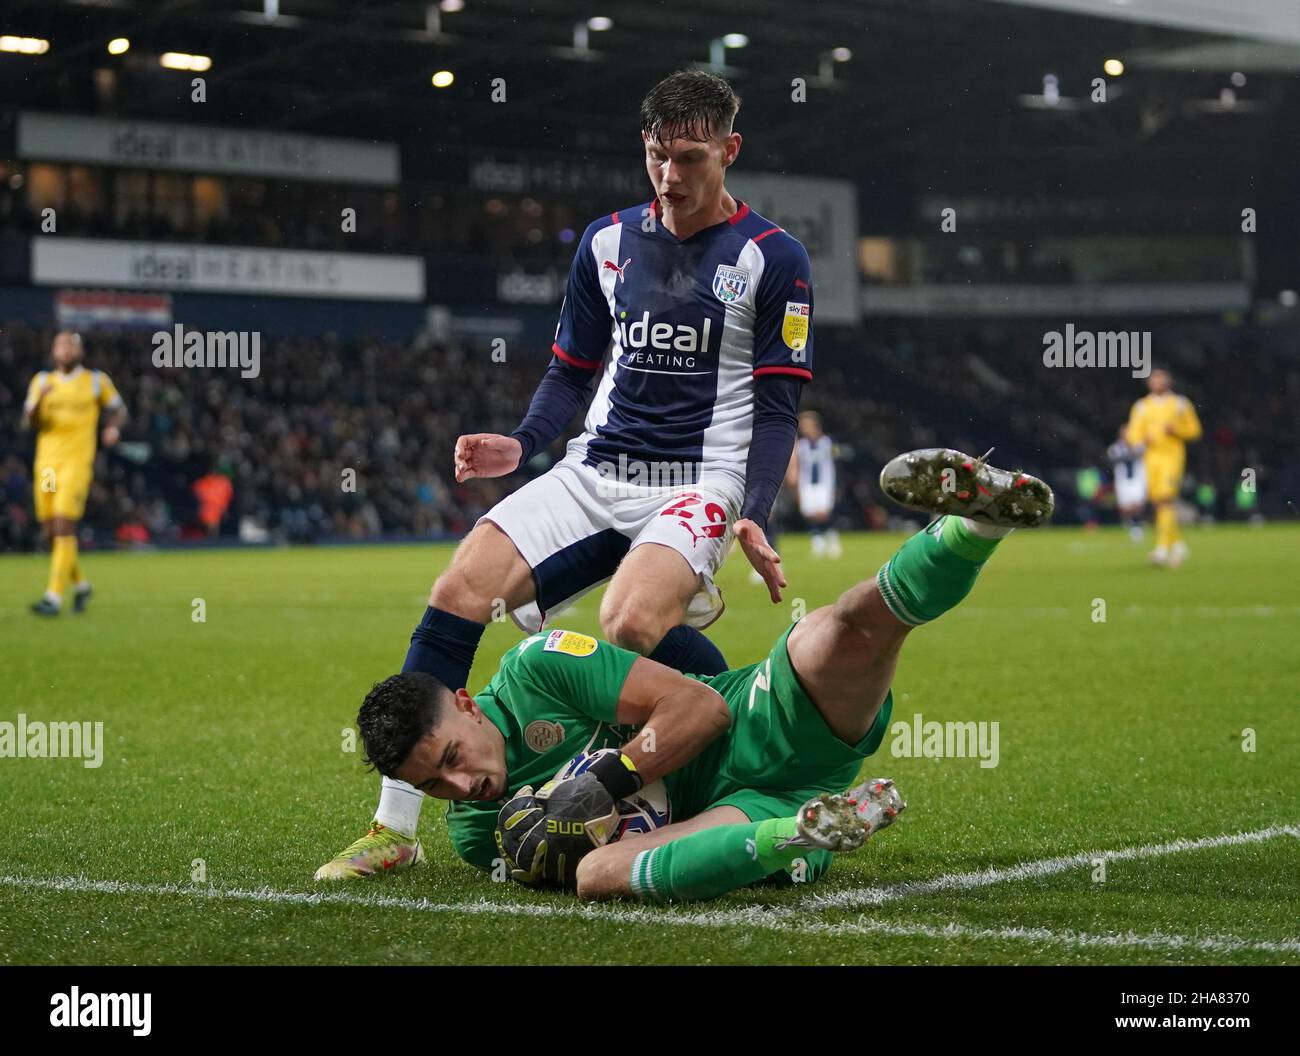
x=931, y=85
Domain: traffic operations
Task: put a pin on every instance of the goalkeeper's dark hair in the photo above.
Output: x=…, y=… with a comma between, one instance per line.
x=396, y=713
x=691, y=104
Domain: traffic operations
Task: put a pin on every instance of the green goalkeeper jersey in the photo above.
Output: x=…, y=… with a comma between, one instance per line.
x=555, y=694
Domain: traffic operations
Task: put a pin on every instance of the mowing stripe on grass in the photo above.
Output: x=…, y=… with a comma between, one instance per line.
x=861, y=897
x=778, y=918
x=764, y=919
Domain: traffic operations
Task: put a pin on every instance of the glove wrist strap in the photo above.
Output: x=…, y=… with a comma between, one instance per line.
x=617, y=773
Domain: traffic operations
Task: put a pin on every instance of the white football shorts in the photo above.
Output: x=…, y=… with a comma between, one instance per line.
x=816, y=499
x=1130, y=486
x=574, y=526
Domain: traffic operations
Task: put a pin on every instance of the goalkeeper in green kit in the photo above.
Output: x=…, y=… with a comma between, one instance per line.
x=576, y=744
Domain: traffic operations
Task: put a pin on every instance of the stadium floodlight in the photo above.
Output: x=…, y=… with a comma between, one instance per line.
x=24, y=45
x=1113, y=67
x=718, y=48
x=450, y=7
x=180, y=60
x=826, y=61
x=443, y=79
x=271, y=9
x=119, y=46
x=582, y=31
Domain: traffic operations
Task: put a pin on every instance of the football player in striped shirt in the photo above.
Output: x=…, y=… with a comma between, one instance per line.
x=812, y=473
x=546, y=767
x=690, y=315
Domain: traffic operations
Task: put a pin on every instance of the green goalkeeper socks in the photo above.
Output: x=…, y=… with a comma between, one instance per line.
x=714, y=861
x=936, y=568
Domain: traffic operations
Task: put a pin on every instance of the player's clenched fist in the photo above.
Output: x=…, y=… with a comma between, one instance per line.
x=486, y=455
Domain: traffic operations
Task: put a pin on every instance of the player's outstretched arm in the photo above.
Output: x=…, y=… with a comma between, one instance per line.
x=758, y=551
x=771, y=454
x=563, y=391
x=485, y=455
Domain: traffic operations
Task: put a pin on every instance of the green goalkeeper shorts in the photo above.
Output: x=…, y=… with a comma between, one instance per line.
x=779, y=752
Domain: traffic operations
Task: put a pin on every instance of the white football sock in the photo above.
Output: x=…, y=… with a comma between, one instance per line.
x=399, y=806
x=985, y=531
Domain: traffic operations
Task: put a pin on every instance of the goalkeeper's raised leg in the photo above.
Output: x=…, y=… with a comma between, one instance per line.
x=826, y=690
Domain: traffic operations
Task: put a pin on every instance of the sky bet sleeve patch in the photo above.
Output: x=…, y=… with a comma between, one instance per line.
x=794, y=327
x=570, y=642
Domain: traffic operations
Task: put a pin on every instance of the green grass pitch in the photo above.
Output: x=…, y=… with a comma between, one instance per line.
x=224, y=754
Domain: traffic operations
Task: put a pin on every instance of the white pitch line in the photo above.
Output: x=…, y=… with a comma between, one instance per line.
x=857, y=898
x=779, y=918
x=755, y=917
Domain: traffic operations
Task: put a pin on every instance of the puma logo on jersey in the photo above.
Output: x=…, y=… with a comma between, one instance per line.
x=609, y=265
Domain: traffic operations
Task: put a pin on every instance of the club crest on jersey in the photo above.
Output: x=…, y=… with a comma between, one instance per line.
x=541, y=736
x=730, y=284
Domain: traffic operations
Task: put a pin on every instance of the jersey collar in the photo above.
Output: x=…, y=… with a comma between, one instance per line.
x=742, y=211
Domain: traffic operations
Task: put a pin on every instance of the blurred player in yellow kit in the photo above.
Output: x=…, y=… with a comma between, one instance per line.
x=63, y=405
x=1161, y=424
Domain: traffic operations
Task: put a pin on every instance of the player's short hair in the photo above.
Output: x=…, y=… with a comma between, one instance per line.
x=396, y=713
x=811, y=416
x=691, y=104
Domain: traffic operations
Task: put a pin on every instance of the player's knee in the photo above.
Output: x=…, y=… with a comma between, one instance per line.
x=597, y=876
x=454, y=591
x=861, y=610
x=632, y=627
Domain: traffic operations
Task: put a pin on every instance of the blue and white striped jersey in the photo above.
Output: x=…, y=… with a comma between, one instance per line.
x=680, y=329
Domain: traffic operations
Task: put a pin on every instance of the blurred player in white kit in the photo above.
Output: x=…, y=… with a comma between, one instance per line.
x=812, y=475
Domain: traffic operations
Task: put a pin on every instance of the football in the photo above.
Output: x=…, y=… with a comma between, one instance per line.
x=645, y=811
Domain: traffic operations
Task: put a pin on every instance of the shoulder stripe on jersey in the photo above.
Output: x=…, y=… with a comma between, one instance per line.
x=613, y=218
x=574, y=361
x=769, y=231
x=798, y=372
x=741, y=213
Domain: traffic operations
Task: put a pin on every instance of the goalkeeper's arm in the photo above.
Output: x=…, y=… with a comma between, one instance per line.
x=544, y=836
x=679, y=717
